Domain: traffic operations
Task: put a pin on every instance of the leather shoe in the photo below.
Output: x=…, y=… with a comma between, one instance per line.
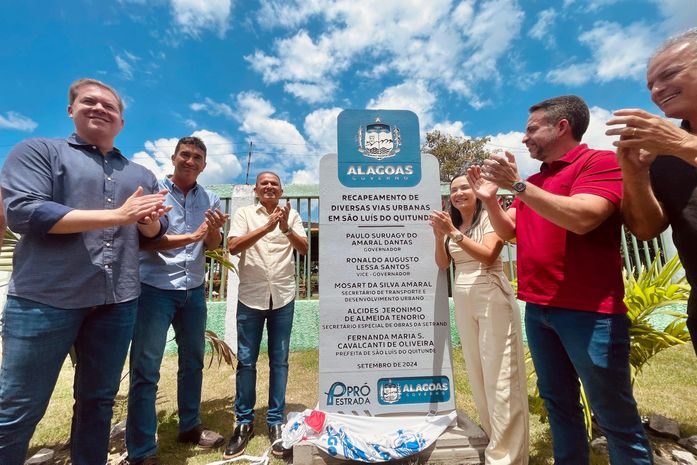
x=202, y=437
x=276, y=434
x=238, y=442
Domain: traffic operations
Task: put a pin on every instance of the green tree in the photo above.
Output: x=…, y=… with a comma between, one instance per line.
x=453, y=151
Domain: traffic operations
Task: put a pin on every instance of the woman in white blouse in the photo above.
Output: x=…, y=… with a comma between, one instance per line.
x=488, y=321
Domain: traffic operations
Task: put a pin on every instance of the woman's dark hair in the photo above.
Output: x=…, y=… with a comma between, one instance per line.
x=455, y=213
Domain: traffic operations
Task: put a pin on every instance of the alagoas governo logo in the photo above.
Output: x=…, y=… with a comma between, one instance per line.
x=379, y=148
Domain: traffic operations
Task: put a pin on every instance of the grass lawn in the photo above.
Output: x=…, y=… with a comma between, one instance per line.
x=668, y=387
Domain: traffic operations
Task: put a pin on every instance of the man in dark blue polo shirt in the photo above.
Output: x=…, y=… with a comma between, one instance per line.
x=81, y=208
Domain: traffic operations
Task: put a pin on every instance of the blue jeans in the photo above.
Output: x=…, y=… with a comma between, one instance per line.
x=186, y=311
x=250, y=326
x=567, y=345
x=36, y=339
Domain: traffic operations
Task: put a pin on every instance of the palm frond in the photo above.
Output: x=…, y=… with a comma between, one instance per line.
x=647, y=297
x=221, y=350
x=220, y=256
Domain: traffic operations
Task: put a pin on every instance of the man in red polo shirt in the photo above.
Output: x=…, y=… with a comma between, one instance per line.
x=566, y=222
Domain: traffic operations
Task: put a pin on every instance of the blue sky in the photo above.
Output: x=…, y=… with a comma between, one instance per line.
x=277, y=73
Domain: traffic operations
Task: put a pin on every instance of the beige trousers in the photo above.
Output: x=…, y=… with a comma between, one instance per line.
x=488, y=320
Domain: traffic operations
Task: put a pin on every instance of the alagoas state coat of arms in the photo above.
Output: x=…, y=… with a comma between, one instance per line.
x=379, y=140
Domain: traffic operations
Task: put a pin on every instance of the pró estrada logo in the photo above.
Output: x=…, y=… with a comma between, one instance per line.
x=342, y=394
x=413, y=390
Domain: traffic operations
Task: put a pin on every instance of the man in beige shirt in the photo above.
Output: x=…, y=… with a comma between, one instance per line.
x=265, y=235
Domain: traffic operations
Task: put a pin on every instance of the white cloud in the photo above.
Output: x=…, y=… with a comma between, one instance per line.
x=279, y=139
x=595, y=134
x=277, y=143
x=213, y=108
x=157, y=156
x=523, y=78
x=320, y=129
x=287, y=14
x=451, y=128
x=311, y=93
x=222, y=165
x=320, y=132
x=494, y=27
x=125, y=67
x=593, y=5
x=463, y=14
x=545, y=19
x=410, y=95
x=572, y=74
x=255, y=115
x=298, y=58
x=131, y=56
x=305, y=176
x=125, y=62
x=194, y=16
x=679, y=15
x=451, y=44
x=619, y=52
x=14, y=120
x=622, y=51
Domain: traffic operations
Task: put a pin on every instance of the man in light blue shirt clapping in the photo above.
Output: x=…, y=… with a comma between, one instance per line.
x=172, y=279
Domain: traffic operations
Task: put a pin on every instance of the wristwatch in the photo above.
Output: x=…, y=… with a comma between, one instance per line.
x=457, y=237
x=519, y=187
x=287, y=231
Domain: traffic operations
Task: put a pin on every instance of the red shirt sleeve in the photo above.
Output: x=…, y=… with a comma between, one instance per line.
x=600, y=175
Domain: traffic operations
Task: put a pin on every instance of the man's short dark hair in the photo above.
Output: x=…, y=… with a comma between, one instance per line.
x=191, y=140
x=256, y=182
x=568, y=107
x=75, y=87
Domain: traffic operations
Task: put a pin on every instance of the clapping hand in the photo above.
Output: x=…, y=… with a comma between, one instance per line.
x=144, y=209
x=274, y=219
x=441, y=223
x=482, y=189
x=215, y=219
x=644, y=136
x=501, y=171
x=283, y=220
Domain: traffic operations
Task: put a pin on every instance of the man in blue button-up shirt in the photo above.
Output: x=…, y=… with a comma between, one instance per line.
x=172, y=274
x=81, y=208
